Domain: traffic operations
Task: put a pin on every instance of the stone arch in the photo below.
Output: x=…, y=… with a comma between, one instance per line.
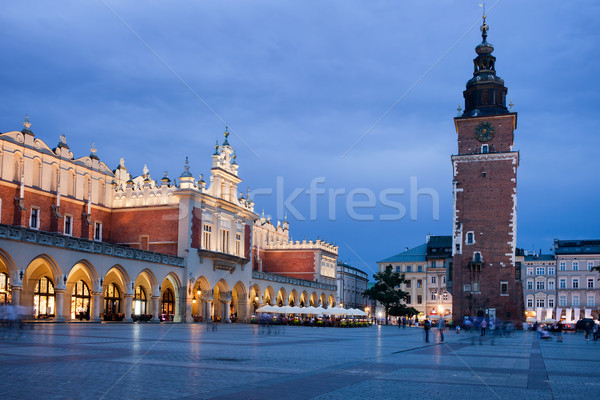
x=39, y=267
x=146, y=289
x=269, y=296
x=239, y=302
x=314, y=300
x=221, y=296
x=254, y=297
x=330, y=301
x=7, y=263
x=118, y=276
x=170, y=311
x=202, y=296
x=304, y=301
x=323, y=300
x=81, y=291
x=282, y=298
x=293, y=298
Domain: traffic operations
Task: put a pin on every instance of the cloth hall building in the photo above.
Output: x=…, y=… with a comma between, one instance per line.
x=79, y=240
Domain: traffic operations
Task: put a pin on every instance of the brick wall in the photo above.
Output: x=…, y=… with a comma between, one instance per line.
x=196, y=228
x=160, y=224
x=293, y=263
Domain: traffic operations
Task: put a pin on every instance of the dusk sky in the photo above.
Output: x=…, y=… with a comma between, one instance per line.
x=358, y=96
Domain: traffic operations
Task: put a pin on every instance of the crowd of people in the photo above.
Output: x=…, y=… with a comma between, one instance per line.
x=11, y=320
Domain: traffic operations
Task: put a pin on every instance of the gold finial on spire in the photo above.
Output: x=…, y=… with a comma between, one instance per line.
x=511, y=105
x=459, y=109
x=484, y=27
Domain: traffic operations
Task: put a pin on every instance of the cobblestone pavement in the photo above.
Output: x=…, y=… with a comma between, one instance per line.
x=179, y=361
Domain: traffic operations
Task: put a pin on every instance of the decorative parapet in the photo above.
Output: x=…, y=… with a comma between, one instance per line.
x=267, y=276
x=89, y=246
x=302, y=245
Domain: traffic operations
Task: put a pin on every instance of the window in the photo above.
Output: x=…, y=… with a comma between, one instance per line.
x=504, y=288
x=409, y=268
x=139, y=301
x=112, y=300
x=71, y=184
x=80, y=301
x=68, y=225
x=168, y=302
x=34, y=219
x=467, y=288
x=419, y=283
x=444, y=279
x=550, y=285
x=5, y=293
x=445, y=296
x=551, y=302
x=144, y=242
x=475, y=286
x=101, y=192
x=470, y=238
x=540, y=302
x=562, y=301
x=420, y=268
x=529, y=285
x=408, y=299
x=207, y=237
x=590, y=282
x=408, y=284
x=540, y=285
x=224, y=240
x=434, y=264
x=37, y=173
x=575, y=300
x=432, y=295
x=590, y=265
x=238, y=244
x=540, y=271
x=575, y=265
x=485, y=149
x=419, y=299
x=529, y=270
x=563, y=284
x=563, y=266
x=98, y=231
x=433, y=279
x=575, y=283
x=590, y=300
x=43, y=298
x=550, y=270
x=529, y=303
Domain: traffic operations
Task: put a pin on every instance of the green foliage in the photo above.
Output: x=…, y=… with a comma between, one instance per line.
x=387, y=292
x=402, y=310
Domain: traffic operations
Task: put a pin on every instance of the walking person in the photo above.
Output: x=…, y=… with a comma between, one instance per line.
x=441, y=325
x=559, y=331
x=426, y=327
x=483, y=325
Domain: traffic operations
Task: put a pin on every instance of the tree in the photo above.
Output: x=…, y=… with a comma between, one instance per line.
x=388, y=293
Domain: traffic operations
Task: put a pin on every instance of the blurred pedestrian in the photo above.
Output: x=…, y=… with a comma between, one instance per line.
x=426, y=327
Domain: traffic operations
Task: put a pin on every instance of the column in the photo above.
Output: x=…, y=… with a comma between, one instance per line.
x=127, y=311
x=59, y=314
x=16, y=295
x=155, y=310
x=225, y=315
x=96, y=306
x=181, y=307
x=209, y=314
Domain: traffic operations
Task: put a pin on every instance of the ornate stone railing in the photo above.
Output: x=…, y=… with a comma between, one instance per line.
x=90, y=246
x=267, y=276
x=302, y=245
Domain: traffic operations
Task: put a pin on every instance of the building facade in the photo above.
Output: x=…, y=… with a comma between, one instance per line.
x=485, y=198
x=577, y=284
x=79, y=240
x=439, y=262
x=413, y=264
x=538, y=273
x=351, y=284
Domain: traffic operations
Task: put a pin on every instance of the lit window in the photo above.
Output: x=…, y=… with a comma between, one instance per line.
x=419, y=283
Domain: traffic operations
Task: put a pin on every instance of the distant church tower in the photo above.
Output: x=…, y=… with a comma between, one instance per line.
x=485, y=280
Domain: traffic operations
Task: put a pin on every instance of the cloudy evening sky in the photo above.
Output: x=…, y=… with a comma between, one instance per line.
x=303, y=86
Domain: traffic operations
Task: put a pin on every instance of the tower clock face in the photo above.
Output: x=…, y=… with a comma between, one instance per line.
x=484, y=131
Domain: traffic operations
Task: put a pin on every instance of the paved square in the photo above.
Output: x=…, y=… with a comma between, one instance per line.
x=167, y=361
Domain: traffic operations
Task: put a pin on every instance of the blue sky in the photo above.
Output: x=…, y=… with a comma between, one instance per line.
x=300, y=83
